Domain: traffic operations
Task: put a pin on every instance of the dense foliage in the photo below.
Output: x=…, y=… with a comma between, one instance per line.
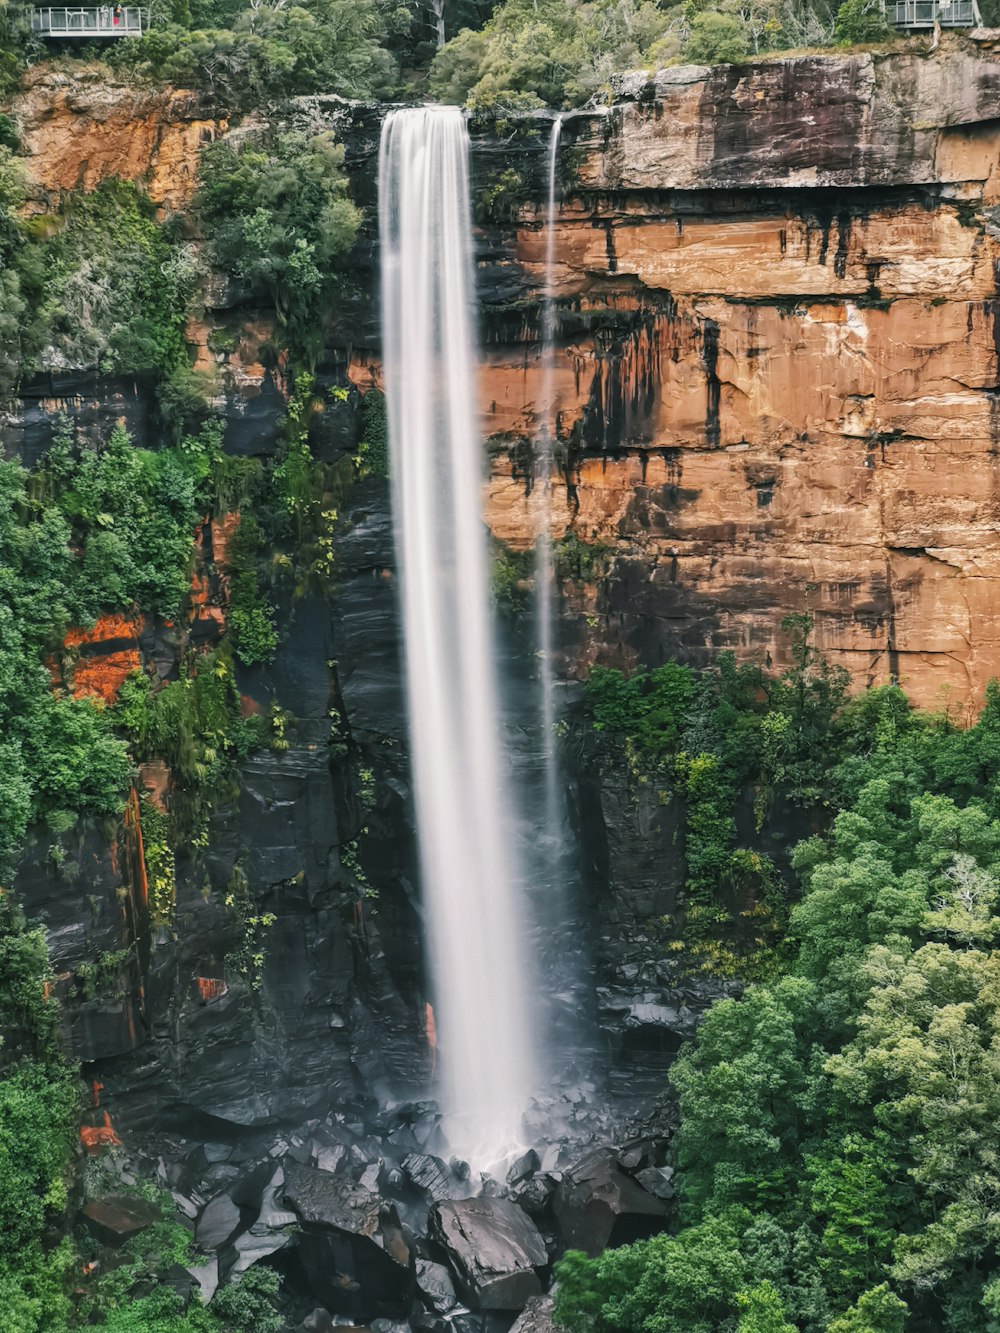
x=535, y=52
x=100, y=285
x=37, y=1104
x=40, y=1289
x=280, y=220
x=720, y=742
x=89, y=532
x=254, y=54
x=836, y=1156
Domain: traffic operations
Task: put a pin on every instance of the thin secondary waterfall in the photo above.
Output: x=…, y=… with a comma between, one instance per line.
x=544, y=571
x=472, y=889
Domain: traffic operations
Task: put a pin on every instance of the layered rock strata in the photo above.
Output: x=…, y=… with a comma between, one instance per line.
x=777, y=378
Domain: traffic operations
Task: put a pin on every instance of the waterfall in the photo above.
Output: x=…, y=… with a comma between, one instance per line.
x=472, y=888
x=544, y=570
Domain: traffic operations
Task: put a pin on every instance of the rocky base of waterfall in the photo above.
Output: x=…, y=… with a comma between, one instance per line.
x=371, y=1224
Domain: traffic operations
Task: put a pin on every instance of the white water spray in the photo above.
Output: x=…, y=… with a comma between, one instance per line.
x=471, y=887
x=544, y=570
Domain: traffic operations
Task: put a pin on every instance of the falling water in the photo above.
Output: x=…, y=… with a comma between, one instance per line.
x=544, y=571
x=472, y=889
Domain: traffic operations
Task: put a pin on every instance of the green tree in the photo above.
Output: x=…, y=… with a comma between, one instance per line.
x=877, y=1311
x=862, y=21
x=715, y=39
x=762, y=1310
x=280, y=219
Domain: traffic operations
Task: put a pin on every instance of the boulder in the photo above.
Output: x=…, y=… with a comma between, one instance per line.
x=219, y=1222
x=494, y=1249
x=431, y=1176
x=598, y=1206
x=115, y=1218
x=536, y=1316
x=207, y=1277
x=657, y=1180
x=524, y=1166
x=534, y=1194
x=320, y=1321
x=436, y=1287
x=320, y=1198
x=352, y=1253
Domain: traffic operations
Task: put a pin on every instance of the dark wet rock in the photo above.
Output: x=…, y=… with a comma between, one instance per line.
x=436, y=1287
x=322, y=1199
x=180, y=1282
x=369, y=1178
x=494, y=1248
x=352, y=1274
x=534, y=1195
x=320, y=1321
x=249, y=1248
x=272, y=1228
x=525, y=1165
x=102, y=1029
x=218, y=1223
x=93, y=403
x=188, y=1208
x=352, y=1253
x=116, y=1218
x=536, y=1317
x=328, y=1159
x=431, y=1176
x=273, y=1213
x=597, y=1205
x=657, y=1180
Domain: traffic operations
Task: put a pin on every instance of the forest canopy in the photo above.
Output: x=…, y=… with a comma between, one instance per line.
x=836, y=1157
x=518, y=53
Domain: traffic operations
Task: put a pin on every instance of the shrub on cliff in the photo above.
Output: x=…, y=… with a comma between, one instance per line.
x=715, y=39
x=279, y=217
x=97, y=286
x=38, y=1102
x=268, y=51
x=559, y=53
x=862, y=21
x=90, y=531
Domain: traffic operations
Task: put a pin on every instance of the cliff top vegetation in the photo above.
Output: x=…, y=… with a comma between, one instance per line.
x=515, y=54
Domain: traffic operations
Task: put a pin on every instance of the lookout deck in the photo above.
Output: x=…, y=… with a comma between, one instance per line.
x=94, y=23
x=915, y=14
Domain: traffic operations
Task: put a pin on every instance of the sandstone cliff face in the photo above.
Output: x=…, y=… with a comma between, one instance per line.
x=777, y=378
x=83, y=126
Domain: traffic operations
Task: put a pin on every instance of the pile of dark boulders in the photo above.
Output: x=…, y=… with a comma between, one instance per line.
x=372, y=1226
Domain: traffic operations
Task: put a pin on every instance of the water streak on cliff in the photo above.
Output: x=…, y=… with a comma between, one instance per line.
x=546, y=445
x=471, y=886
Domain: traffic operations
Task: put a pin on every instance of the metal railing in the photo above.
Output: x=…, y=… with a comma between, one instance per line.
x=922, y=13
x=100, y=21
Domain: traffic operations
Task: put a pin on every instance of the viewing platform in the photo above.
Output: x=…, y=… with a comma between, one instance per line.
x=96, y=23
x=912, y=15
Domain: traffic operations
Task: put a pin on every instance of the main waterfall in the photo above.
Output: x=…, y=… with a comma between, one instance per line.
x=472, y=890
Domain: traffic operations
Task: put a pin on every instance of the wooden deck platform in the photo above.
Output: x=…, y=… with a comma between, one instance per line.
x=94, y=23
x=915, y=14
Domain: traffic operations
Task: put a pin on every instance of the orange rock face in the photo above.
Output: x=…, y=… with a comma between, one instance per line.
x=773, y=399
x=82, y=127
x=102, y=657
